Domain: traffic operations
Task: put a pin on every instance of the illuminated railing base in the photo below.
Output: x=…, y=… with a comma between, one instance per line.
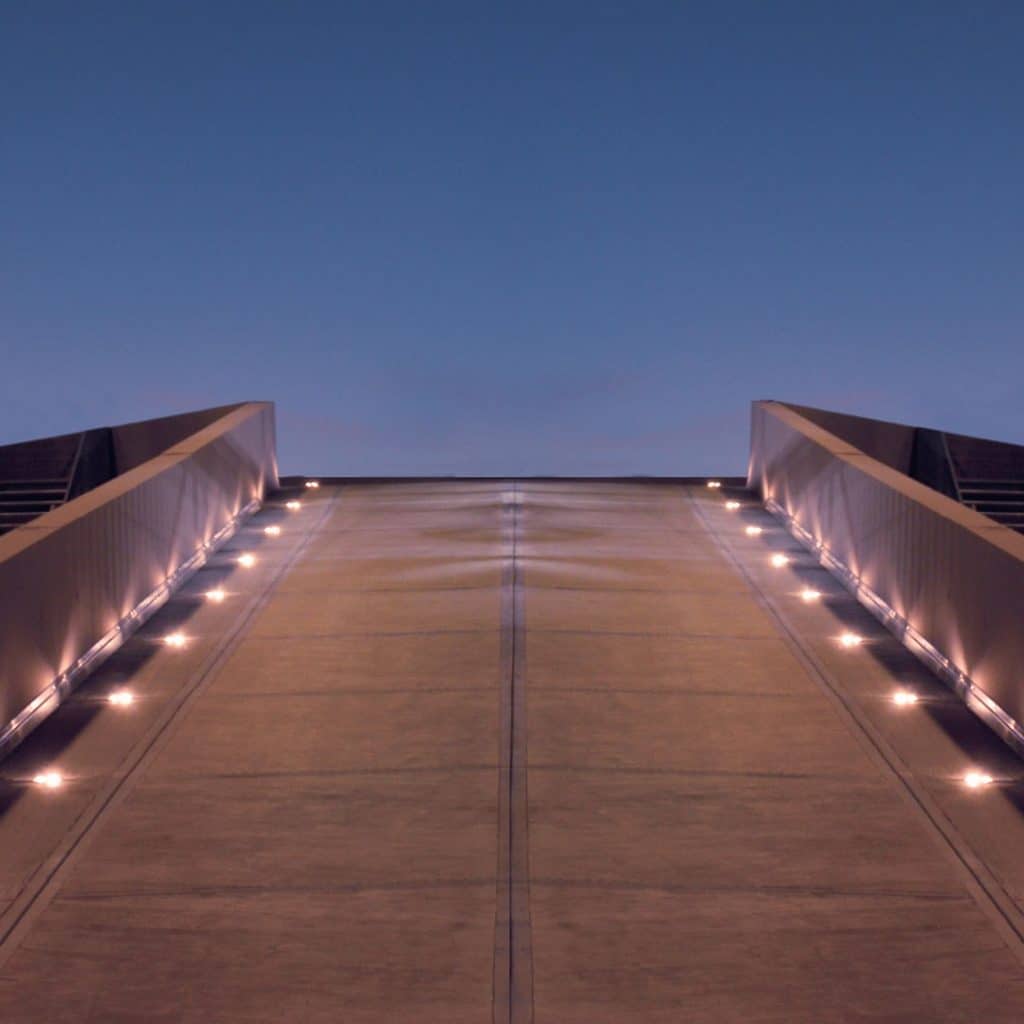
x=50, y=699
x=962, y=685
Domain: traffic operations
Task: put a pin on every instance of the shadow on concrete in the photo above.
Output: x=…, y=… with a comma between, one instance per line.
x=52, y=738
x=49, y=741
x=10, y=794
x=973, y=738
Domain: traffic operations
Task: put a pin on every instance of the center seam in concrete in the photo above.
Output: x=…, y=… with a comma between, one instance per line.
x=512, y=1001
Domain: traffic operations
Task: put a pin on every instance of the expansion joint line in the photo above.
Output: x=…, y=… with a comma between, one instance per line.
x=513, y=943
x=986, y=890
x=44, y=884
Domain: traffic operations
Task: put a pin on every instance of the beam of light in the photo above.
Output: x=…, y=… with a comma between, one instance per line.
x=247, y=560
x=122, y=698
x=851, y=640
x=753, y=531
x=976, y=780
x=312, y=484
x=779, y=560
x=714, y=484
x=293, y=505
x=62, y=685
x=272, y=531
x=216, y=595
x=732, y=505
x=956, y=677
x=175, y=639
x=49, y=780
x=904, y=698
x=809, y=594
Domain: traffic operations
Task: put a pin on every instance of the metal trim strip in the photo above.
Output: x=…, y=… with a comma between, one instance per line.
x=64, y=684
x=979, y=702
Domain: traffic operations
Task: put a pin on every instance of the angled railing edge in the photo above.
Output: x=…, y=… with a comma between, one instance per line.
x=224, y=503
x=925, y=649
x=34, y=713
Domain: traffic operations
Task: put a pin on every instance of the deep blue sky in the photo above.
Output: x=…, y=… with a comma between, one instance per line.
x=511, y=238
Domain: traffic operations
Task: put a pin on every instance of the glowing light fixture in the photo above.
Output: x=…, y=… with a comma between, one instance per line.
x=851, y=640
x=247, y=560
x=313, y=484
x=732, y=505
x=903, y=698
x=272, y=531
x=122, y=698
x=779, y=560
x=49, y=780
x=809, y=594
x=175, y=639
x=714, y=484
x=975, y=779
x=216, y=595
x=293, y=505
x=753, y=531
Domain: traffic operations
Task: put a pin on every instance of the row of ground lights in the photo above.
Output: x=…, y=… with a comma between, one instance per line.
x=972, y=779
x=52, y=779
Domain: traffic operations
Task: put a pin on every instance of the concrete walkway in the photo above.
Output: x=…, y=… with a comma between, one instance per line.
x=573, y=753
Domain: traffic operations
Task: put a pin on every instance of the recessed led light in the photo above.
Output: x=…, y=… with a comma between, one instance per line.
x=905, y=697
x=216, y=595
x=247, y=560
x=732, y=505
x=294, y=506
x=313, y=484
x=714, y=484
x=975, y=779
x=851, y=640
x=272, y=531
x=809, y=594
x=49, y=780
x=175, y=639
x=753, y=531
x=122, y=698
x=780, y=560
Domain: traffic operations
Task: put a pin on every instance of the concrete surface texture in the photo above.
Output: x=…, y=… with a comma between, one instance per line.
x=564, y=752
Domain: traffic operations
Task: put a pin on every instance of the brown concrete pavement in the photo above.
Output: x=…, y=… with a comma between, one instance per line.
x=474, y=751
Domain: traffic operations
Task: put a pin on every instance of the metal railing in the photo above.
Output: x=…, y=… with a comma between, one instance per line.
x=948, y=581
x=91, y=571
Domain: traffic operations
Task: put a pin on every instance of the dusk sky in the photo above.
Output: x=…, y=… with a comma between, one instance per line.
x=522, y=238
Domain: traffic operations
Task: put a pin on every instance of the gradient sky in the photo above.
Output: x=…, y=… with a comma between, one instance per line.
x=521, y=238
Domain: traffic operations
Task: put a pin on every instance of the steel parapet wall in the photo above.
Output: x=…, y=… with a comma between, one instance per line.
x=942, y=574
x=77, y=580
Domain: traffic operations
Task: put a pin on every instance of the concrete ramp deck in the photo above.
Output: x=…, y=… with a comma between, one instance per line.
x=573, y=753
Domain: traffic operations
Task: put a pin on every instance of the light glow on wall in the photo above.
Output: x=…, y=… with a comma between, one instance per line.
x=948, y=669
x=904, y=698
x=976, y=780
